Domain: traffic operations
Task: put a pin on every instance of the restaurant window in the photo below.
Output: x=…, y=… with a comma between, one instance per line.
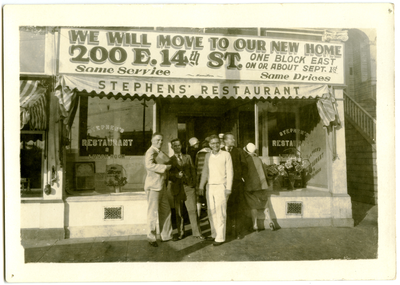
x=288, y=128
x=31, y=158
x=285, y=125
x=281, y=132
x=115, y=127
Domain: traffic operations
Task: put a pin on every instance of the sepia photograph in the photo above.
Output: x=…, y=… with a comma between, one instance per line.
x=238, y=149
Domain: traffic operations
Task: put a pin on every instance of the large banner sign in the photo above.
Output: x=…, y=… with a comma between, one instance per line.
x=198, y=56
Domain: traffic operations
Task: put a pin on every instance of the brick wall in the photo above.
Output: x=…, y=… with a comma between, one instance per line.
x=361, y=167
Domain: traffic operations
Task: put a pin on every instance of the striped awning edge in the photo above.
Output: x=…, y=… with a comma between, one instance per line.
x=32, y=100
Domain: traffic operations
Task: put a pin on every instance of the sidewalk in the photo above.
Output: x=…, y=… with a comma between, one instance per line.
x=360, y=242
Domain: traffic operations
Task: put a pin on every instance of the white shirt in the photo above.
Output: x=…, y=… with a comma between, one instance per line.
x=220, y=169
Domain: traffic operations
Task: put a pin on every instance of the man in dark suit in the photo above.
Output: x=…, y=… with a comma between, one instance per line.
x=155, y=187
x=235, y=222
x=183, y=188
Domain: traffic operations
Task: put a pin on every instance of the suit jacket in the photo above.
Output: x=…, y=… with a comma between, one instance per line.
x=156, y=173
x=206, y=172
x=239, y=163
x=189, y=173
x=193, y=152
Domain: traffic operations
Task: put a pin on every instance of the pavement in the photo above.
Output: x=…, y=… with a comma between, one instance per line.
x=285, y=244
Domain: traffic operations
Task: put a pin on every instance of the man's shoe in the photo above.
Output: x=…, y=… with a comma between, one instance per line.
x=215, y=243
x=181, y=237
x=175, y=239
x=210, y=239
x=272, y=226
x=201, y=237
x=239, y=236
x=153, y=243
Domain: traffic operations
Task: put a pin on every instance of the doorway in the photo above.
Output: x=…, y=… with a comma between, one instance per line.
x=197, y=126
x=188, y=117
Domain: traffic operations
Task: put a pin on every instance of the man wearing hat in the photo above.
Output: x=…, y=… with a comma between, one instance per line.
x=221, y=140
x=194, y=144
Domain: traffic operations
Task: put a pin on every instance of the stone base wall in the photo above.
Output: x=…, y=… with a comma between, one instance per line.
x=362, y=179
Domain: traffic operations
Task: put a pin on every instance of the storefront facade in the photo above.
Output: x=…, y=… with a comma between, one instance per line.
x=281, y=90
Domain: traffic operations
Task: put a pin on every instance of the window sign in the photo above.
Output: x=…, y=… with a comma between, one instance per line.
x=114, y=128
x=282, y=132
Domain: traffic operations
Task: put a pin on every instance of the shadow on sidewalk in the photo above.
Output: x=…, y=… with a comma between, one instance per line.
x=365, y=213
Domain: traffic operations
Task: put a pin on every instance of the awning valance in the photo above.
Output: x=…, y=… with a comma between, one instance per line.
x=152, y=87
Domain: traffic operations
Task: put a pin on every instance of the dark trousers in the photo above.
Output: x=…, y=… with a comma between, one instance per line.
x=235, y=209
x=191, y=200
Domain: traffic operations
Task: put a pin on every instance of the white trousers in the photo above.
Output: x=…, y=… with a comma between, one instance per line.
x=216, y=204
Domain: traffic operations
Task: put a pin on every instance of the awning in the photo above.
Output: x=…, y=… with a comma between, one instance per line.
x=67, y=101
x=327, y=110
x=32, y=102
x=156, y=87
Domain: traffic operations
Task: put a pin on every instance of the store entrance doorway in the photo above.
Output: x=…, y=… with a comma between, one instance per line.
x=202, y=118
x=199, y=127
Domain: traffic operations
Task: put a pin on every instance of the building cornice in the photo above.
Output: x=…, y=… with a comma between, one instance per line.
x=330, y=35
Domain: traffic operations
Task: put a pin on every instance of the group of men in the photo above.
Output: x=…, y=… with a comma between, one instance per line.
x=217, y=175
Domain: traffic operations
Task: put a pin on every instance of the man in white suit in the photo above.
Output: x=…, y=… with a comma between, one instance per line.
x=218, y=174
x=155, y=187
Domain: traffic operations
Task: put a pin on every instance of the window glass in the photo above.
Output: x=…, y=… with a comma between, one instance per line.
x=31, y=158
x=32, y=52
x=288, y=129
x=284, y=126
x=314, y=149
x=114, y=126
x=109, y=138
x=281, y=132
x=137, y=123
